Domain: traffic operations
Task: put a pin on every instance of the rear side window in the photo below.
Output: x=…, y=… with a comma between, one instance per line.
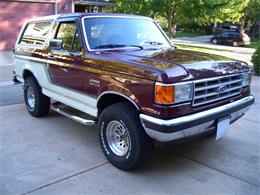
x=36, y=33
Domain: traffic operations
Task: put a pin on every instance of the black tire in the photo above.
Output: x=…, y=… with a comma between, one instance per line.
x=141, y=146
x=214, y=41
x=235, y=44
x=41, y=104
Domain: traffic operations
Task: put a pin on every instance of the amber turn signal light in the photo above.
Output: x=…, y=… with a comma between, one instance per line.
x=250, y=78
x=164, y=94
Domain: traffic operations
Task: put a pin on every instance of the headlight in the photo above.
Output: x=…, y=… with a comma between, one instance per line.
x=246, y=79
x=175, y=93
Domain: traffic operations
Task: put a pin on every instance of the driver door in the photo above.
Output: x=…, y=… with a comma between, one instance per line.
x=65, y=63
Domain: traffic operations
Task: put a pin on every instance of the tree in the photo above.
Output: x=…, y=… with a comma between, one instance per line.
x=250, y=14
x=204, y=13
x=171, y=10
x=256, y=60
x=139, y=7
x=209, y=12
x=165, y=8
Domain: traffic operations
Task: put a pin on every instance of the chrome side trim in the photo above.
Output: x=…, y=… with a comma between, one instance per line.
x=72, y=116
x=165, y=137
x=120, y=94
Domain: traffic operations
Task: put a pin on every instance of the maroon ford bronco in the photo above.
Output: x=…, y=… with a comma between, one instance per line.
x=122, y=72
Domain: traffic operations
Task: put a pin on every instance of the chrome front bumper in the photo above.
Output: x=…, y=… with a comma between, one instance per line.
x=194, y=124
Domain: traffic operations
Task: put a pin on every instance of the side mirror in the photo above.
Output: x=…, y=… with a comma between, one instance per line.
x=55, y=44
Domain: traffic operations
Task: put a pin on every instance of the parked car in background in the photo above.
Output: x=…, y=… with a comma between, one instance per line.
x=226, y=28
x=231, y=38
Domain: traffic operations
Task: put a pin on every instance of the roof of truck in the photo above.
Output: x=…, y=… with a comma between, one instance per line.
x=81, y=15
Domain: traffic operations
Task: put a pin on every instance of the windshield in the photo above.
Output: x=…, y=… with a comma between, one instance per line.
x=110, y=32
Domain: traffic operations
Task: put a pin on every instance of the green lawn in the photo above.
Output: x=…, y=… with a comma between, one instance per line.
x=255, y=43
x=187, y=34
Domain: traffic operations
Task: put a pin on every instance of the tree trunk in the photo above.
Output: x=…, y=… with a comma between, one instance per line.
x=170, y=27
x=242, y=24
x=208, y=29
x=172, y=19
x=246, y=12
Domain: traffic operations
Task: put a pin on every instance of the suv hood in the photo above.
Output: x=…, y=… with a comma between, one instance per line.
x=177, y=64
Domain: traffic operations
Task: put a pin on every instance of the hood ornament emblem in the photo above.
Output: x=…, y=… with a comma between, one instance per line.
x=222, y=88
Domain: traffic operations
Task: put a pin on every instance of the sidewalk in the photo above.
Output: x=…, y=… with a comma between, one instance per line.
x=6, y=66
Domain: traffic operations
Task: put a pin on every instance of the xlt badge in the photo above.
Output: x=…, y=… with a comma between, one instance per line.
x=94, y=82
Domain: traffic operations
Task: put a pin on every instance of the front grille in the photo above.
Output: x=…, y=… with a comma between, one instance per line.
x=211, y=90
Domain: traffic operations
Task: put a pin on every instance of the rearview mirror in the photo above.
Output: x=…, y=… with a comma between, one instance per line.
x=55, y=44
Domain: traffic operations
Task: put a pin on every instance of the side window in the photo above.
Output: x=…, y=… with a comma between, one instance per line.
x=224, y=34
x=36, y=33
x=69, y=34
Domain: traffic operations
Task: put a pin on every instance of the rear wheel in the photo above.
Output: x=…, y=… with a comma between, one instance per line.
x=122, y=137
x=36, y=103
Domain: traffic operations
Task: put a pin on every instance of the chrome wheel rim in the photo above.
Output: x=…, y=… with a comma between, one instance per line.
x=235, y=44
x=118, y=138
x=215, y=41
x=30, y=97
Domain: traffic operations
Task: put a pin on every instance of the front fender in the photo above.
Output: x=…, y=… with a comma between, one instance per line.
x=120, y=91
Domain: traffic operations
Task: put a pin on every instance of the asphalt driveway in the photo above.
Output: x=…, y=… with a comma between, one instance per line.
x=54, y=155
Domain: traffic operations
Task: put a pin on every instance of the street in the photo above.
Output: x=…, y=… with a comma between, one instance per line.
x=55, y=155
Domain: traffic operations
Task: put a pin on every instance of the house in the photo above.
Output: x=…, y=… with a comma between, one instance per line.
x=13, y=14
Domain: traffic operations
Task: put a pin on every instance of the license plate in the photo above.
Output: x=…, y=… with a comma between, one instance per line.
x=222, y=127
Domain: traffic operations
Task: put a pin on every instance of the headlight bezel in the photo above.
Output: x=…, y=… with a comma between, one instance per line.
x=176, y=87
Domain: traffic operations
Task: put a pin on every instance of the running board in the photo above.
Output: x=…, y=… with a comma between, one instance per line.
x=56, y=107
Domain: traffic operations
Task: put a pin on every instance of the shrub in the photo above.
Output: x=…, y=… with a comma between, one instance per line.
x=256, y=60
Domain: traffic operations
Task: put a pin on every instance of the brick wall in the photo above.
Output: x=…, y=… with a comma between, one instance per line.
x=64, y=6
x=13, y=14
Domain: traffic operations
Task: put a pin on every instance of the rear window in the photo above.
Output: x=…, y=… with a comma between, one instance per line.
x=35, y=33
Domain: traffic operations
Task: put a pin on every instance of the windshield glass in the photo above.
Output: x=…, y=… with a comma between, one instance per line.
x=110, y=32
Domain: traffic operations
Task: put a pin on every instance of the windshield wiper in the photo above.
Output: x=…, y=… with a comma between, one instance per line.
x=116, y=46
x=153, y=43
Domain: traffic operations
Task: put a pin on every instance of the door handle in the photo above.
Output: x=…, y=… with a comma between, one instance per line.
x=64, y=69
x=51, y=58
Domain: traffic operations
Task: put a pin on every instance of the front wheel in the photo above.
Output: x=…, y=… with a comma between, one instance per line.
x=215, y=41
x=122, y=137
x=235, y=43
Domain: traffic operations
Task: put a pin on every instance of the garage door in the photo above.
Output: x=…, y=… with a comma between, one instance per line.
x=12, y=16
